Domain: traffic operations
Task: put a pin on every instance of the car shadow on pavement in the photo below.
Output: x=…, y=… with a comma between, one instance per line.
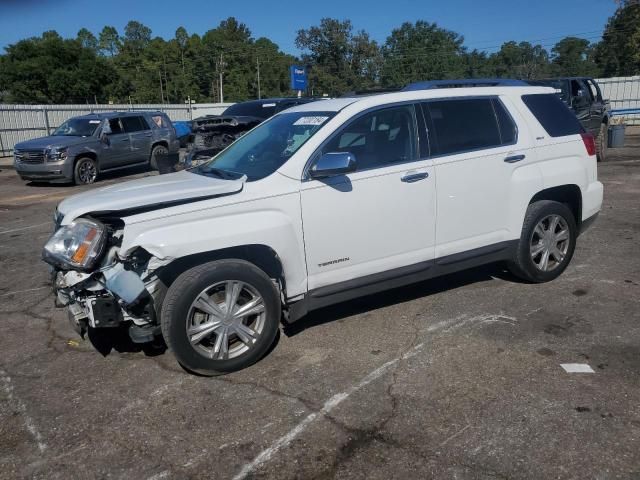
x=123, y=174
x=433, y=286
x=107, y=340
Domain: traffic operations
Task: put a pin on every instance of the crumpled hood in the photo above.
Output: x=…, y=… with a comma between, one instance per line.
x=51, y=141
x=146, y=192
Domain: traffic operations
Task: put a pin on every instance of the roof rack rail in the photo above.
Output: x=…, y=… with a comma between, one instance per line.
x=466, y=82
x=365, y=93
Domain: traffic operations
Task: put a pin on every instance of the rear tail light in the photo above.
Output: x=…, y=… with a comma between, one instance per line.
x=589, y=143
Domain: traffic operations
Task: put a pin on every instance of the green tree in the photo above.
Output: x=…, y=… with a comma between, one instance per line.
x=422, y=51
x=87, y=39
x=109, y=41
x=618, y=54
x=573, y=56
x=50, y=69
x=520, y=60
x=340, y=61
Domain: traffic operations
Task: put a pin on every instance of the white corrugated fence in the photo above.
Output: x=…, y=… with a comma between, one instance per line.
x=624, y=95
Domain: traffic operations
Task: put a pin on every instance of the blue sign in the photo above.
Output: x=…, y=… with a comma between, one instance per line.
x=298, y=78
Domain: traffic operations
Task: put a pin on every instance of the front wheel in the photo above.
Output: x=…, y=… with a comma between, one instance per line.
x=547, y=242
x=221, y=316
x=85, y=171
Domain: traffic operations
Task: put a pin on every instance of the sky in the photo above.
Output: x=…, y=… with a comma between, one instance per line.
x=485, y=24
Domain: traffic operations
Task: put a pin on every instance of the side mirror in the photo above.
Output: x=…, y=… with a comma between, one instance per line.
x=330, y=164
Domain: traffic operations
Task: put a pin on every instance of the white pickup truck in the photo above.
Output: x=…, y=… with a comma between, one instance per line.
x=322, y=203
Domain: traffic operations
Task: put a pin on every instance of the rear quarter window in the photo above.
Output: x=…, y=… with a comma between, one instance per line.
x=554, y=116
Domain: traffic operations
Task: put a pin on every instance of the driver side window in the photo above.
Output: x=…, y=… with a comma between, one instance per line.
x=378, y=139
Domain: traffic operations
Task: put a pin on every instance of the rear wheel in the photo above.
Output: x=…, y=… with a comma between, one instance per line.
x=221, y=316
x=547, y=242
x=601, y=143
x=157, y=151
x=85, y=171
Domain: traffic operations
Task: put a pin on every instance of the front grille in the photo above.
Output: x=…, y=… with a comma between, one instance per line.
x=30, y=156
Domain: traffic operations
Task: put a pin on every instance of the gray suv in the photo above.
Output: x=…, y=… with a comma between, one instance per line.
x=82, y=147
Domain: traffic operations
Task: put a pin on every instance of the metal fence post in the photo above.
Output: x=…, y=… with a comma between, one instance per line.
x=46, y=119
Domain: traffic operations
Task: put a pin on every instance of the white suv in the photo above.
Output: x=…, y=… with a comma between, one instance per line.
x=322, y=203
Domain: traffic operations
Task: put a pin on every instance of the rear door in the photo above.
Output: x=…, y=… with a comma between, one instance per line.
x=141, y=137
x=117, y=147
x=162, y=129
x=476, y=148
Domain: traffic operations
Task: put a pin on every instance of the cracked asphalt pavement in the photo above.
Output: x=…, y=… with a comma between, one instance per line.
x=457, y=377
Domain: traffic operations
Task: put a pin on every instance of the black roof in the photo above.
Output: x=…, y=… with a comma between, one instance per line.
x=465, y=82
x=101, y=115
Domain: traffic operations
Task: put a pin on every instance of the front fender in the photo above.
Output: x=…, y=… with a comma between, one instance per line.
x=278, y=227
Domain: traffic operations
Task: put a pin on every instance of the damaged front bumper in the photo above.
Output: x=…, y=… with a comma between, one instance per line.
x=110, y=297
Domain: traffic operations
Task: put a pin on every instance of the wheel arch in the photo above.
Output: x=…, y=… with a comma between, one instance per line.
x=569, y=194
x=262, y=256
x=162, y=143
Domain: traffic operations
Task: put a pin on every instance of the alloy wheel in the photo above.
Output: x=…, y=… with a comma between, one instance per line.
x=225, y=320
x=549, y=243
x=87, y=171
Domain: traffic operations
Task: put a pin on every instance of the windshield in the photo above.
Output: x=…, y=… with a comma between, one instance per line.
x=77, y=127
x=252, y=109
x=267, y=147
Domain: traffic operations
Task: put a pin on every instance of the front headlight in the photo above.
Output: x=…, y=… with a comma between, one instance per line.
x=77, y=245
x=57, y=153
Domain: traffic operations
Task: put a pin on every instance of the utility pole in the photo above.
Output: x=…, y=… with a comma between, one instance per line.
x=221, y=71
x=161, y=91
x=258, y=67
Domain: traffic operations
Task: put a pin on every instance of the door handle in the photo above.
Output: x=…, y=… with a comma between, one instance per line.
x=148, y=134
x=514, y=158
x=414, y=177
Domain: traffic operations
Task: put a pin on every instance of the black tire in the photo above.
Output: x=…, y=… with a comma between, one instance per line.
x=602, y=143
x=528, y=268
x=189, y=286
x=155, y=152
x=85, y=171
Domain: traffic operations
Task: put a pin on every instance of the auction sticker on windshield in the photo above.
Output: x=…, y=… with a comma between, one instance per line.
x=310, y=121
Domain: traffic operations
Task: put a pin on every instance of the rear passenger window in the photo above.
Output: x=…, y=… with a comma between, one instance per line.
x=554, y=116
x=160, y=121
x=508, y=129
x=462, y=125
x=114, y=125
x=134, y=124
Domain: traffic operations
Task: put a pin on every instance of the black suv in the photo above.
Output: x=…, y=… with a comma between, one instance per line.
x=584, y=97
x=213, y=133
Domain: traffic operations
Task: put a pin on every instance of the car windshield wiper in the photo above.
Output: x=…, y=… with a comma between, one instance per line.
x=219, y=173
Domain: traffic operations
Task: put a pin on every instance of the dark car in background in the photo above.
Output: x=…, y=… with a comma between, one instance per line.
x=584, y=97
x=213, y=133
x=83, y=147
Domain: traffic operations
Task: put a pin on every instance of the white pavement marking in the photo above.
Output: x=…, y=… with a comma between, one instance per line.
x=338, y=398
x=577, y=368
x=26, y=228
x=159, y=476
x=28, y=421
x=24, y=291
